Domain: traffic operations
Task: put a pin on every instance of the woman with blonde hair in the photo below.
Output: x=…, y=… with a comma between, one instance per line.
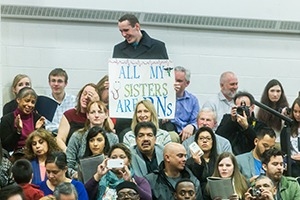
x=145, y=111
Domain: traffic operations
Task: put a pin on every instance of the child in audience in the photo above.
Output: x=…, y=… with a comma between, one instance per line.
x=23, y=173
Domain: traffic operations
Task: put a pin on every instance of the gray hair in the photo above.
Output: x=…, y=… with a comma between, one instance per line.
x=260, y=177
x=65, y=188
x=215, y=115
x=186, y=71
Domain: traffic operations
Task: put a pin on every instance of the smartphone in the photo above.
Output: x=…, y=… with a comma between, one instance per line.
x=115, y=163
x=194, y=147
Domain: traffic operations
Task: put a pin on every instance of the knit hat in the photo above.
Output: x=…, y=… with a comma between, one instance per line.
x=126, y=184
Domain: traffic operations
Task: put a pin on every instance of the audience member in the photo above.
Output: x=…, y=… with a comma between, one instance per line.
x=97, y=116
x=65, y=191
x=56, y=167
x=227, y=167
x=58, y=80
x=129, y=189
x=208, y=117
x=185, y=189
x=39, y=145
x=12, y=192
x=250, y=163
x=293, y=138
x=20, y=81
x=274, y=97
x=203, y=166
x=264, y=189
x=75, y=118
x=187, y=105
x=23, y=174
x=17, y=125
x=223, y=101
x=287, y=187
x=6, y=177
x=145, y=112
x=103, y=184
x=171, y=170
x=240, y=127
x=137, y=45
x=146, y=154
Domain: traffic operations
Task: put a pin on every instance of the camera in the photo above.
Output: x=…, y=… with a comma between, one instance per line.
x=243, y=108
x=256, y=192
x=288, y=110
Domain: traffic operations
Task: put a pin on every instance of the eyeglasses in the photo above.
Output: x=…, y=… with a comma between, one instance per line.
x=122, y=195
x=205, y=138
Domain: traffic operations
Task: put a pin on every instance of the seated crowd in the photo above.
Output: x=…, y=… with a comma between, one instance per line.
x=221, y=151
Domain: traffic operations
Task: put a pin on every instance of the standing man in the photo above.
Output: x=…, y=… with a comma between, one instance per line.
x=223, y=101
x=58, y=80
x=137, y=45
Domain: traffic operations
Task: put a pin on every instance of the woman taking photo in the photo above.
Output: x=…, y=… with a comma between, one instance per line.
x=227, y=167
x=75, y=118
x=97, y=116
x=145, y=112
x=56, y=168
x=17, y=125
x=274, y=97
x=39, y=145
x=203, y=166
x=20, y=81
x=102, y=185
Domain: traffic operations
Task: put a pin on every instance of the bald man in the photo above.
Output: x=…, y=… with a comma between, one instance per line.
x=171, y=170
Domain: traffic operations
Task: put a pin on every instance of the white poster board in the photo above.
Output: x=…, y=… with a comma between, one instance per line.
x=132, y=80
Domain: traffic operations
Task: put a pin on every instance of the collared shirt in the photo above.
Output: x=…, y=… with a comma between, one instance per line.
x=187, y=108
x=68, y=102
x=220, y=104
x=150, y=164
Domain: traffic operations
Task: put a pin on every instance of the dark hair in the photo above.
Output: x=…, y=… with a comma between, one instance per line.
x=121, y=146
x=266, y=156
x=131, y=18
x=244, y=94
x=271, y=120
x=213, y=152
x=11, y=190
x=184, y=180
x=141, y=125
x=266, y=131
x=22, y=171
x=295, y=125
x=65, y=188
x=1, y=152
x=93, y=132
x=26, y=91
x=59, y=72
x=78, y=106
x=59, y=158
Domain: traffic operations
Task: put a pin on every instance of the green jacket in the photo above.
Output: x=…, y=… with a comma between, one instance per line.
x=289, y=188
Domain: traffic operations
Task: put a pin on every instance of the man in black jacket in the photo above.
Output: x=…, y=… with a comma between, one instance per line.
x=240, y=127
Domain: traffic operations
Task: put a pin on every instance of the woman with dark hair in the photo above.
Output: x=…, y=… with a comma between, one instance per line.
x=39, y=144
x=102, y=185
x=75, y=118
x=203, y=166
x=274, y=97
x=227, y=167
x=97, y=116
x=96, y=142
x=56, y=167
x=6, y=177
x=17, y=125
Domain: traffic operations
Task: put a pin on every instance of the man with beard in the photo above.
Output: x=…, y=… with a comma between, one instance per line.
x=240, y=127
x=146, y=155
x=287, y=187
x=171, y=170
x=223, y=101
x=250, y=163
x=264, y=189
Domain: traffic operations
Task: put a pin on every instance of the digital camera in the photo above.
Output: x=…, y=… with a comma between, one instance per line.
x=243, y=108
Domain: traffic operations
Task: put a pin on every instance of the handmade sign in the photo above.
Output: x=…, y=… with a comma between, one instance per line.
x=132, y=80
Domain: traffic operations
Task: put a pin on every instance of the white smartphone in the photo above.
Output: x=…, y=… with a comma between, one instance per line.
x=194, y=147
x=115, y=163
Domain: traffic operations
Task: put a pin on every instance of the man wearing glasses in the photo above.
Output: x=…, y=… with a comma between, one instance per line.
x=127, y=190
x=240, y=127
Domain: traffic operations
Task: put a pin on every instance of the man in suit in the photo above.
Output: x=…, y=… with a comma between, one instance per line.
x=250, y=163
x=146, y=155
